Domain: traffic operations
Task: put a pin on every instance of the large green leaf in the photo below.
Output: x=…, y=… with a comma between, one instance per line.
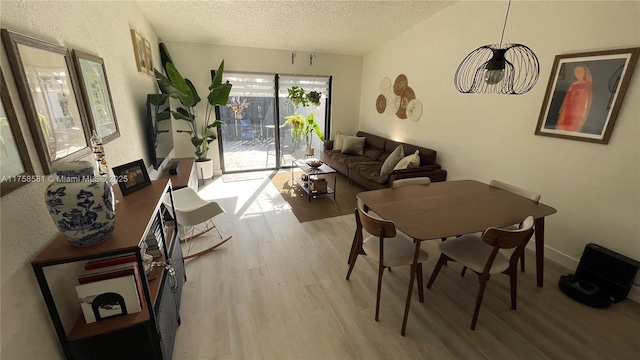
x=164, y=56
x=216, y=123
x=166, y=86
x=196, y=97
x=186, y=95
x=220, y=95
x=217, y=78
x=157, y=99
x=182, y=114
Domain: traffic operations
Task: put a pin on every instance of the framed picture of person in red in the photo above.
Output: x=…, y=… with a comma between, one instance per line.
x=585, y=93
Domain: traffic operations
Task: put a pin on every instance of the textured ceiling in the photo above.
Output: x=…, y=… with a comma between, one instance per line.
x=346, y=27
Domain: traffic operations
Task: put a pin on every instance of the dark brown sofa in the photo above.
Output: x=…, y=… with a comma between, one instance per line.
x=365, y=169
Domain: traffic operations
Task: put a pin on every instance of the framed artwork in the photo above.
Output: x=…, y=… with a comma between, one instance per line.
x=148, y=57
x=96, y=95
x=15, y=165
x=584, y=94
x=47, y=86
x=132, y=176
x=139, y=51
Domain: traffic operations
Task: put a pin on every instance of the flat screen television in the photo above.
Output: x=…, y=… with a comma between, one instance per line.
x=159, y=131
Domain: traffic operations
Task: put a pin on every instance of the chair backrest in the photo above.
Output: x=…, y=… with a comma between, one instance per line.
x=411, y=181
x=508, y=239
x=516, y=190
x=500, y=238
x=374, y=226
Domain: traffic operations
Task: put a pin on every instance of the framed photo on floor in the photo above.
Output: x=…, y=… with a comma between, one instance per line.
x=585, y=93
x=132, y=176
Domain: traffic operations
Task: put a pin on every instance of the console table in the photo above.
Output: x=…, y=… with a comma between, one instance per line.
x=187, y=174
x=148, y=334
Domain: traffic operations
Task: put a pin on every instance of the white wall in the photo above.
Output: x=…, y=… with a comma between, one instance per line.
x=195, y=62
x=100, y=28
x=594, y=187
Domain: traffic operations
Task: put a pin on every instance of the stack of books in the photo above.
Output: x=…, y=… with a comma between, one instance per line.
x=153, y=239
x=109, y=287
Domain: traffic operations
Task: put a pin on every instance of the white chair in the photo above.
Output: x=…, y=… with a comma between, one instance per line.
x=386, y=247
x=194, y=213
x=411, y=181
x=518, y=191
x=483, y=256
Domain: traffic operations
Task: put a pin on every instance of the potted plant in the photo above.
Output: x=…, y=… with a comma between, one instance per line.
x=314, y=97
x=296, y=96
x=177, y=87
x=303, y=128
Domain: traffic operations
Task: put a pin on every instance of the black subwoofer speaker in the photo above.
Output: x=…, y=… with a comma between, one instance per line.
x=603, y=276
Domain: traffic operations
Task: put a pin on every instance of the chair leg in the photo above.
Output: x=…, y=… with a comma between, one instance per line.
x=513, y=276
x=354, y=245
x=441, y=261
x=464, y=271
x=476, y=311
x=380, y=273
x=352, y=264
x=420, y=282
x=522, y=261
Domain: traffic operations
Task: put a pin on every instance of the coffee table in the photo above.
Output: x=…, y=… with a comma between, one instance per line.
x=312, y=174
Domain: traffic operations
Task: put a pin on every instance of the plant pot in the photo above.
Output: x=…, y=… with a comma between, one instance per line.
x=308, y=151
x=81, y=206
x=205, y=169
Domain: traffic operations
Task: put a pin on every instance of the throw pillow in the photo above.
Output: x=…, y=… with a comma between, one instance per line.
x=338, y=141
x=393, y=159
x=352, y=145
x=408, y=162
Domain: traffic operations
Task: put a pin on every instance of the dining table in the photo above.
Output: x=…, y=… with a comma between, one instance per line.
x=452, y=208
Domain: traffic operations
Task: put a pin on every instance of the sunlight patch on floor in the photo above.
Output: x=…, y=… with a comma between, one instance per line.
x=245, y=198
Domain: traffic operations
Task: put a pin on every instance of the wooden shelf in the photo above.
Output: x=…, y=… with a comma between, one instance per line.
x=132, y=221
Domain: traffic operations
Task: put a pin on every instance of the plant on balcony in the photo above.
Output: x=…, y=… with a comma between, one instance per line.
x=177, y=87
x=303, y=128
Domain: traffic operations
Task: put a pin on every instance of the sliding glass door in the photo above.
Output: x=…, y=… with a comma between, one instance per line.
x=256, y=136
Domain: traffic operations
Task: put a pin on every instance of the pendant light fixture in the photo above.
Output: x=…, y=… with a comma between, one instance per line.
x=494, y=69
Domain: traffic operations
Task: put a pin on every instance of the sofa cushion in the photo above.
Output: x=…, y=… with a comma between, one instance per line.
x=408, y=162
x=372, y=153
x=392, y=160
x=369, y=170
x=352, y=145
x=338, y=140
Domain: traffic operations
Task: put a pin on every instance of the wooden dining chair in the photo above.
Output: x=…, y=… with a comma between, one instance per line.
x=386, y=247
x=482, y=255
x=533, y=196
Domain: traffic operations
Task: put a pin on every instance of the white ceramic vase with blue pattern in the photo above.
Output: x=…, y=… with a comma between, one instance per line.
x=81, y=205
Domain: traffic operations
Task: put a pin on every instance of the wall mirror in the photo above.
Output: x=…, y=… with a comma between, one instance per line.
x=96, y=95
x=46, y=83
x=15, y=166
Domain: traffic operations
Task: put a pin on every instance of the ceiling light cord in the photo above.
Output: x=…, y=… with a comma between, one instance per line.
x=504, y=27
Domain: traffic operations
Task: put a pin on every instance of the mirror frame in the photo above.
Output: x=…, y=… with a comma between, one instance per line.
x=88, y=105
x=11, y=41
x=12, y=182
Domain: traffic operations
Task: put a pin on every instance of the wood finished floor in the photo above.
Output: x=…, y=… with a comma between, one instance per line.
x=277, y=290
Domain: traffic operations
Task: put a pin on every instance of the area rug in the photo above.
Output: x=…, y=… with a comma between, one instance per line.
x=322, y=206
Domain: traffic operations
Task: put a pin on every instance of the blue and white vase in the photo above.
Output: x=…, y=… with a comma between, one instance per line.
x=81, y=205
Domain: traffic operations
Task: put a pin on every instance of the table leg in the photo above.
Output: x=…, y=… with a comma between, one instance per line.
x=539, y=226
x=335, y=178
x=411, y=280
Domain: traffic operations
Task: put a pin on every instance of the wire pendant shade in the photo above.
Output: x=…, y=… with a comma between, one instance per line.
x=520, y=65
x=494, y=69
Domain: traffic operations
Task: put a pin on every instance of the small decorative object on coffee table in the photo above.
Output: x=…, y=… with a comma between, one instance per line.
x=310, y=181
